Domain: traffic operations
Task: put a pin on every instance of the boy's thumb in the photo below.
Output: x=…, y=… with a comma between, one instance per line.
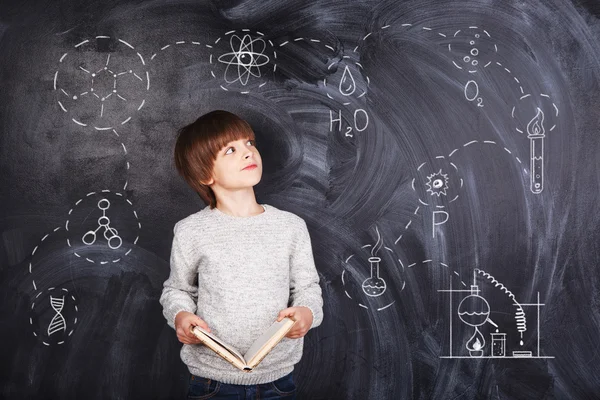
x=202, y=324
x=282, y=314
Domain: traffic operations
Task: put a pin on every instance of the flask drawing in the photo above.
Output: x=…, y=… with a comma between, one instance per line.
x=374, y=285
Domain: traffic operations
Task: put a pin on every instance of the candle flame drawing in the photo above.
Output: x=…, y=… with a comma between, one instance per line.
x=476, y=344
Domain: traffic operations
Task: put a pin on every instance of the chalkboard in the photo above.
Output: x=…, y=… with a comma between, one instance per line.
x=444, y=155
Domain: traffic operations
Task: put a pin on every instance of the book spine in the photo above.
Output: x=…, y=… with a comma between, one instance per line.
x=224, y=356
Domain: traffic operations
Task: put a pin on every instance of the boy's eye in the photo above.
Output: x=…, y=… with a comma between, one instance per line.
x=233, y=148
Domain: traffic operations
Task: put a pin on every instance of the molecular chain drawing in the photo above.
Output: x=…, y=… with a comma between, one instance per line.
x=110, y=233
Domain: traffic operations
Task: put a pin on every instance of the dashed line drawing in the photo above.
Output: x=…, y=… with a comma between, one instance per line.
x=512, y=76
x=432, y=263
x=404, y=25
x=89, y=78
x=416, y=212
x=171, y=46
x=114, y=241
x=491, y=142
x=35, y=288
x=307, y=40
x=244, y=59
x=127, y=164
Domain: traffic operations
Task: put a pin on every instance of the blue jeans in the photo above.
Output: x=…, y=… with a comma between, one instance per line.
x=204, y=388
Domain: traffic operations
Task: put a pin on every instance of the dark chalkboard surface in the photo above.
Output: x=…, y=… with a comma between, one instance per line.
x=444, y=155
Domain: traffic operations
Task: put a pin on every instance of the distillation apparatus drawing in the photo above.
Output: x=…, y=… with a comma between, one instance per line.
x=474, y=311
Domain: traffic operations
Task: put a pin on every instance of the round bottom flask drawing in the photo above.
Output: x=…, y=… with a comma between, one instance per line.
x=374, y=285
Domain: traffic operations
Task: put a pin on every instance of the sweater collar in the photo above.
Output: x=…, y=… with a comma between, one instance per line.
x=220, y=214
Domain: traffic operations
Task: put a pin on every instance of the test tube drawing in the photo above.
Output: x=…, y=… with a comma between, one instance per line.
x=536, y=134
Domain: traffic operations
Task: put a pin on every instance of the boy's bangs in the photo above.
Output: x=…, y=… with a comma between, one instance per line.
x=235, y=131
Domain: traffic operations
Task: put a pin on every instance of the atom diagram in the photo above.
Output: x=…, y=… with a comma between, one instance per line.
x=243, y=56
x=244, y=59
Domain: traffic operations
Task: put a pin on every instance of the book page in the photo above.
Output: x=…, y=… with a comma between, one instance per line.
x=220, y=342
x=265, y=342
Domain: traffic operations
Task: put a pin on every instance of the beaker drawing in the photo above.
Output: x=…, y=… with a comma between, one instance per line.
x=498, y=344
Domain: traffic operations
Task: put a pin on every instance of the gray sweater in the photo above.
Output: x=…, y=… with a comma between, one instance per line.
x=237, y=273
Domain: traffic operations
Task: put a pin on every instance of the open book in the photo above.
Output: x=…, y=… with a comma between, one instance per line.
x=259, y=349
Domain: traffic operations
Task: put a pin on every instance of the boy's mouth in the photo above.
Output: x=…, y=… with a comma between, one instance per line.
x=251, y=166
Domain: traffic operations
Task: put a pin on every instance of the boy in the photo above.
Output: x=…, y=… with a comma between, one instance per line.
x=236, y=266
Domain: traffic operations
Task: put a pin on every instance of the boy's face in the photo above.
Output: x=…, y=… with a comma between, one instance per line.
x=230, y=172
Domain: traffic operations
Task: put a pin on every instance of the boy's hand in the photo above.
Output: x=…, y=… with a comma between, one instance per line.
x=303, y=317
x=184, y=322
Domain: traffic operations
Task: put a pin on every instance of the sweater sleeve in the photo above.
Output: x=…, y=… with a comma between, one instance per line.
x=180, y=290
x=304, y=279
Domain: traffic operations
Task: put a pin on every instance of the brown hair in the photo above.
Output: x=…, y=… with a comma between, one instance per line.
x=198, y=144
